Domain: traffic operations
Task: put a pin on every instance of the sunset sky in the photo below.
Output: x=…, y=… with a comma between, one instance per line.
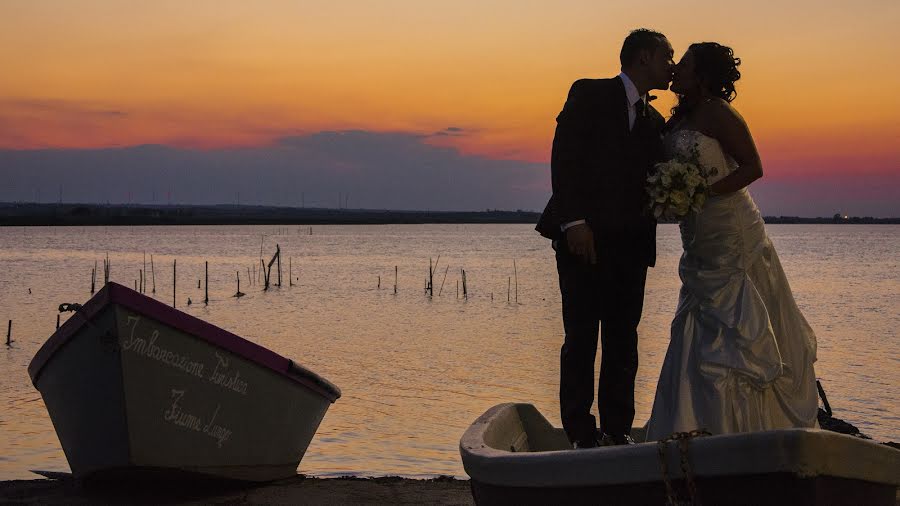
x=486, y=78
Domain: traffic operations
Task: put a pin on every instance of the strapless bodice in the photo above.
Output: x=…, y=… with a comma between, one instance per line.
x=679, y=142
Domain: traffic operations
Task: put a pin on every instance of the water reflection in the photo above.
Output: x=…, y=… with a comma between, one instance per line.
x=416, y=371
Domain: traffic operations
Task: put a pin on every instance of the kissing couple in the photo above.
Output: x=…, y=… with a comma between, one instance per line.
x=741, y=354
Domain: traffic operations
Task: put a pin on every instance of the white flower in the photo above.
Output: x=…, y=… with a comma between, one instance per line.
x=666, y=178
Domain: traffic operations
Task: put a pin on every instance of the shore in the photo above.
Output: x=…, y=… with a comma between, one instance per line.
x=30, y=214
x=299, y=490
x=69, y=214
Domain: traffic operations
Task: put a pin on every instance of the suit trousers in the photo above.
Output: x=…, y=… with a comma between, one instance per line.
x=605, y=298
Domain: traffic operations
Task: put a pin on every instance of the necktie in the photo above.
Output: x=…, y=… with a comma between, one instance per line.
x=640, y=109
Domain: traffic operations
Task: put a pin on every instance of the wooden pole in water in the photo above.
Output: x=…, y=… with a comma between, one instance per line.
x=57, y=320
x=429, y=286
x=206, y=273
x=174, y=279
x=238, y=293
x=290, y=272
x=9, y=333
x=516, y=273
x=249, y=279
x=508, y=283
x=465, y=285
x=379, y=281
x=395, y=277
x=141, y=278
x=268, y=268
x=262, y=269
x=441, y=289
x=278, y=254
x=144, y=279
x=153, y=272
x=93, y=277
x=262, y=239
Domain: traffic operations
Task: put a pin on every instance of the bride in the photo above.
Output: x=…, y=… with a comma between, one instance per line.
x=741, y=354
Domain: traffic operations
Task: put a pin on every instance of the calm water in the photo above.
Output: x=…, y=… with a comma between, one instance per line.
x=416, y=371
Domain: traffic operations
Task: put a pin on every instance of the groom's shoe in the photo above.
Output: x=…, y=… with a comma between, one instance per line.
x=581, y=444
x=590, y=442
x=615, y=440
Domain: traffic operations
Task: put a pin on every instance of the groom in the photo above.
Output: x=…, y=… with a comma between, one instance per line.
x=607, y=140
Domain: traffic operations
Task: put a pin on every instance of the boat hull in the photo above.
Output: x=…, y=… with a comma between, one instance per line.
x=514, y=456
x=777, y=489
x=129, y=392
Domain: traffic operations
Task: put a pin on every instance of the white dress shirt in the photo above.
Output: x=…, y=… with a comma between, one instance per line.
x=631, y=97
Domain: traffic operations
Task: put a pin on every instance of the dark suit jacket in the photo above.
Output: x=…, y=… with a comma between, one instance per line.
x=599, y=170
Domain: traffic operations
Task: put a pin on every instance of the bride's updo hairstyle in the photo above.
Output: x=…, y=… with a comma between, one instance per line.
x=716, y=69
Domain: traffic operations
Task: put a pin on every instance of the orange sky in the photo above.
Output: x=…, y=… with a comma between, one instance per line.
x=820, y=78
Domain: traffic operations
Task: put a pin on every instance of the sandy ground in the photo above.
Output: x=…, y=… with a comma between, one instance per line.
x=299, y=490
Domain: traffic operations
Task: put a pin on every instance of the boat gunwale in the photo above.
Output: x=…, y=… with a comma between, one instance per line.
x=116, y=294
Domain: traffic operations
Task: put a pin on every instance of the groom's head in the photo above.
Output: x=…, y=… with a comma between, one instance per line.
x=647, y=58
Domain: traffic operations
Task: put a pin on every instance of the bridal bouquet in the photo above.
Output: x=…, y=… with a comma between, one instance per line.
x=679, y=186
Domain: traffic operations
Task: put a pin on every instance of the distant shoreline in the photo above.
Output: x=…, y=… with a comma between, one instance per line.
x=31, y=214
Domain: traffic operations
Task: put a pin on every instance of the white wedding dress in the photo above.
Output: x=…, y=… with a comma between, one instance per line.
x=741, y=354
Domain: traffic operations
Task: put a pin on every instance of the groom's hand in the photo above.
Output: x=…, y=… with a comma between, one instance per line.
x=580, y=241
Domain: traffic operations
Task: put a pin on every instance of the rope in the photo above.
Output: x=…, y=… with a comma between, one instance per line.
x=109, y=340
x=683, y=439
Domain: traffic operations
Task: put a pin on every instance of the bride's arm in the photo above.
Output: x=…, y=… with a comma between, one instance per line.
x=734, y=136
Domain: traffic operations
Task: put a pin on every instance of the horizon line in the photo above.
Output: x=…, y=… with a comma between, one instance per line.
x=835, y=216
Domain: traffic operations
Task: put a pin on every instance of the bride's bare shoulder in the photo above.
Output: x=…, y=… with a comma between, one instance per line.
x=716, y=115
